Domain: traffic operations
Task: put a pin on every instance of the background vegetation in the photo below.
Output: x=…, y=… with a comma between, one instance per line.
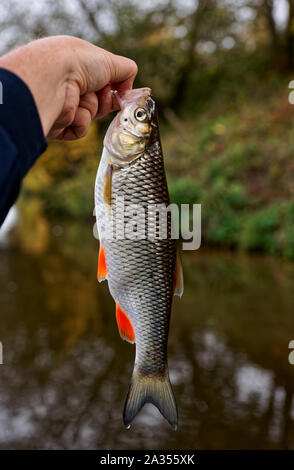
x=220, y=72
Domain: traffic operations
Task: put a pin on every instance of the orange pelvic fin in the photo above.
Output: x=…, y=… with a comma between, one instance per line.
x=102, y=269
x=178, y=277
x=125, y=326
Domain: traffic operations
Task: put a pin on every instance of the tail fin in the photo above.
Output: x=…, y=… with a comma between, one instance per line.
x=150, y=389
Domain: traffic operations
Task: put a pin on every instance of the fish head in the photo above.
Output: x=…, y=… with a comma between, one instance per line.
x=130, y=131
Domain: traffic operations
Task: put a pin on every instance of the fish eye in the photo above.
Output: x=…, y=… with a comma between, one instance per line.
x=140, y=114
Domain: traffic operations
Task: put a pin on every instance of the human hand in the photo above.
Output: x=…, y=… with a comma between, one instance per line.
x=70, y=80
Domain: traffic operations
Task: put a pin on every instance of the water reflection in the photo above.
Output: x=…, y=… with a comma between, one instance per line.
x=66, y=371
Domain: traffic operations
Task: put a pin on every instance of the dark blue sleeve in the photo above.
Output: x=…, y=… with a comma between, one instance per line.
x=21, y=137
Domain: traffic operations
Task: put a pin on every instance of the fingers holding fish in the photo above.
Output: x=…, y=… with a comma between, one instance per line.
x=84, y=115
x=76, y=116
x=106, y=102
x=107, y=68
x=110, y=98
x=122, y=71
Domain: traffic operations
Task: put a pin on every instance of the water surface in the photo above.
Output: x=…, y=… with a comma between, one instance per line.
x=66, y=371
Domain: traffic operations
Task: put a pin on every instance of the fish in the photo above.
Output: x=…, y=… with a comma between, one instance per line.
x=143, y=272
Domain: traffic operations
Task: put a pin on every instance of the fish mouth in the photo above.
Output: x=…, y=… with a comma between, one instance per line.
x=139, y=95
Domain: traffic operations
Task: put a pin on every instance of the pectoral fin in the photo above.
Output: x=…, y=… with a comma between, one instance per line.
x=178, y=277
x=108, y=184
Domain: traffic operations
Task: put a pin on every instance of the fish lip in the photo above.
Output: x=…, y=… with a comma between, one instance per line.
x=125, y=97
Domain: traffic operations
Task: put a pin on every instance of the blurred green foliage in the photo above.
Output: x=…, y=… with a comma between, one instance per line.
x=184, y=191
x=259, y=230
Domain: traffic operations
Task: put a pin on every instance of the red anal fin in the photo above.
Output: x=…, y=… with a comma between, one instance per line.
x=102, y=269
x=125, y=326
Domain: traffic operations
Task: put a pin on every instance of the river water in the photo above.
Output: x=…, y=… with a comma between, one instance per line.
x=66, y=371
